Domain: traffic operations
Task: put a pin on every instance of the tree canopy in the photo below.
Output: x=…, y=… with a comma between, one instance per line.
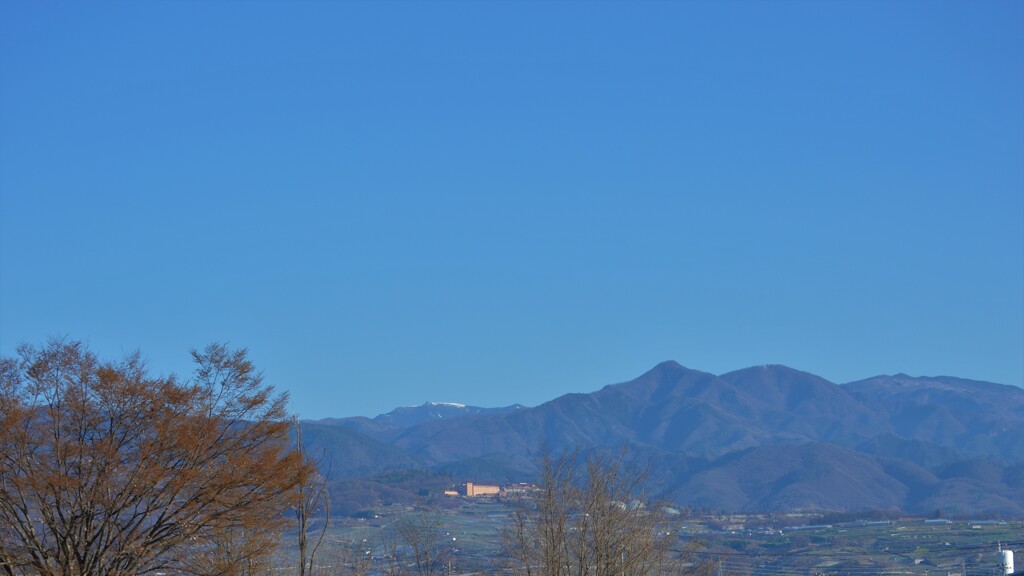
x=107, y=469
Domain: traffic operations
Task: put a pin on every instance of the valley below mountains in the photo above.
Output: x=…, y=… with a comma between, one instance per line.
x=767, y=438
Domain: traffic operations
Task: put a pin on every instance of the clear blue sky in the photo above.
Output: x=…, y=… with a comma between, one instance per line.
x=493, y=202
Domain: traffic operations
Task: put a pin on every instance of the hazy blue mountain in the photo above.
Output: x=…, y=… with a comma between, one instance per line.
x=919, y=452
x=387, y=426
x=351, y=454
x=814, y=476
x=975, y=417
x=761, y=438
x=434, y=411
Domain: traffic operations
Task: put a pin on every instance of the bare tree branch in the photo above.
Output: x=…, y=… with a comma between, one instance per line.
x=592, y=517
x=311, y=498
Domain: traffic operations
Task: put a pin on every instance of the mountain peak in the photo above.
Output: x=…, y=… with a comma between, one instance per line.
x=774, y=369
x=668, y=367
x=450, y=404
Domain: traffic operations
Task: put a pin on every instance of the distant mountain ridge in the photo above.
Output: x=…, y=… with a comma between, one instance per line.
x=385, y=426
x=761, y=438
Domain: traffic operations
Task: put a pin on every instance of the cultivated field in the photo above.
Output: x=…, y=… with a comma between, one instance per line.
x=741, y=545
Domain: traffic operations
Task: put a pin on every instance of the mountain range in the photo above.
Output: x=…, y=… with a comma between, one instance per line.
x=767, y=438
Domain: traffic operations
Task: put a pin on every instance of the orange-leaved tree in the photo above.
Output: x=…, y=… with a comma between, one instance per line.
x=106, y=469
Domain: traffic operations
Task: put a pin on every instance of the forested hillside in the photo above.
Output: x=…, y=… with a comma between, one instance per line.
x=762, y=438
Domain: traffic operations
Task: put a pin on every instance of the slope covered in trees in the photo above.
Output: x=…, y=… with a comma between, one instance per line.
x=899, y=442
